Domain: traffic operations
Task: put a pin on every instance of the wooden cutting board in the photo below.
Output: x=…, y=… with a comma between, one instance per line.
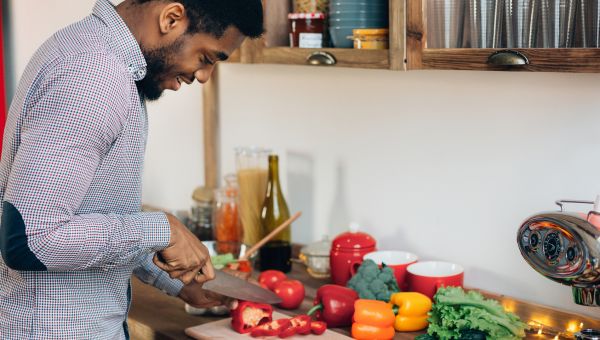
x=222, y=330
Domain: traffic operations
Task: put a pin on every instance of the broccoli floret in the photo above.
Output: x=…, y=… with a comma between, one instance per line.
x=368, y=295
x=373, y=283
x=383, y=296
x=377, y=286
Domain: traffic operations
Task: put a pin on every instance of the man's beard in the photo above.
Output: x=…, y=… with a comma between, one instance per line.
x=158, y=65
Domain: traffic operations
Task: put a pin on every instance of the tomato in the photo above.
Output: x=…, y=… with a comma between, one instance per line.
x=291, y=292
x=269, y=278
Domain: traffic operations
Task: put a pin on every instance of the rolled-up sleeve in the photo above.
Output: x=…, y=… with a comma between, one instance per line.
x=65, y=136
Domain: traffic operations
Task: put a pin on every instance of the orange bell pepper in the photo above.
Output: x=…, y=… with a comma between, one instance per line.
x=373, y=320
x=412, y=311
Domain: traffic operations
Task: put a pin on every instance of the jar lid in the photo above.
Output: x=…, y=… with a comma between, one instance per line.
x=370, y=31
x=353, y=240
x=202, y=194
x=317, y=15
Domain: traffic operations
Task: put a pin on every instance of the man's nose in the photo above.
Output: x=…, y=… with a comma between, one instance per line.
x=204, y=75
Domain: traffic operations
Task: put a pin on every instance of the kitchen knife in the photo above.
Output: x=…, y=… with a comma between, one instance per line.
x=234, y=287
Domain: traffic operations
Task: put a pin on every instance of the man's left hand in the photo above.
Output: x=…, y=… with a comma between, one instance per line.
x=194, y=295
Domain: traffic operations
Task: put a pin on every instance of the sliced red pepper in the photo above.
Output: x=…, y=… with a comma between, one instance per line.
x=273, y=328
x=318, y=327
x=248, y=315
x=299, y=324
x=335, y=305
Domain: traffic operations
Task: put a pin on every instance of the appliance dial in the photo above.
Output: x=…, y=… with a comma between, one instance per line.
x=552, y=246
x=534, y=240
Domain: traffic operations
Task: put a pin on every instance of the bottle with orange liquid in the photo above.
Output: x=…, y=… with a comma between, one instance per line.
x=227, y=224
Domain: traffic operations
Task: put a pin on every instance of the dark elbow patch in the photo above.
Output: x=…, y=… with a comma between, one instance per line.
x=13, y=241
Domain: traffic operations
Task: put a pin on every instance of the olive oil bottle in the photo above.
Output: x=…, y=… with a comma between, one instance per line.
x=276, y=254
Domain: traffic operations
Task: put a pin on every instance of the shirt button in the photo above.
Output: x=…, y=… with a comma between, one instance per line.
x=141, y=73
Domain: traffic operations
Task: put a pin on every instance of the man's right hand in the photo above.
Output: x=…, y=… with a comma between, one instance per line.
x=186, y=258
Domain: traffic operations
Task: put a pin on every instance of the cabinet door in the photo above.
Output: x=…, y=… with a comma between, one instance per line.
x=273, y=47
x=520, y=35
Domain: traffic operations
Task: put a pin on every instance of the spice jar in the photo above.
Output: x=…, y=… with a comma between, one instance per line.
x=306, y=29
x=311, y=6
x=370, y=38
x=227, y=223
x=201, y=223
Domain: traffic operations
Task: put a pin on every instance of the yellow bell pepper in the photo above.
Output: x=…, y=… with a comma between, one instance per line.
x=412, y=311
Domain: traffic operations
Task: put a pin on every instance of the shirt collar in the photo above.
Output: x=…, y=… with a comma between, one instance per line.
x=123, y=40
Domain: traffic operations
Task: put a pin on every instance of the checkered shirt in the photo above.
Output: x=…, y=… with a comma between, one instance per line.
x=71, y=165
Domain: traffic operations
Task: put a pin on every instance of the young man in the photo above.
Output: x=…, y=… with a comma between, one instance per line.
x=71, y=231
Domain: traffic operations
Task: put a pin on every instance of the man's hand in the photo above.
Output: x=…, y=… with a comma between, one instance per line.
x=195, y=296
x=186, y=258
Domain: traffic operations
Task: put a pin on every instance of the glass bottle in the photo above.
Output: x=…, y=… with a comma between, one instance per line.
x=227, y=224
x=276, y=254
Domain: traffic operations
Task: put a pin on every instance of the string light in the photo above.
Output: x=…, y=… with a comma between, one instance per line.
x=542, y=330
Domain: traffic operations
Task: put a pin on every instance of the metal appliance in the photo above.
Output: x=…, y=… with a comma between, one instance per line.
x=565, y=247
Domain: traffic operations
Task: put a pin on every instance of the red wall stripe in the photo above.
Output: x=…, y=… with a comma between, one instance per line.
x=3, y=80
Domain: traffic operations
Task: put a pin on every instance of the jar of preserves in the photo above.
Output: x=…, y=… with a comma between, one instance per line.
x=306, y=29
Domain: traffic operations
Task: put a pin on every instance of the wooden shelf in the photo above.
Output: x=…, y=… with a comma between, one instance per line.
x=345, y=57
x=555, y=60
x=267, y=51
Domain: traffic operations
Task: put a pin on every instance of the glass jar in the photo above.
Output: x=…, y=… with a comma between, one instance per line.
x=306, y=29
x=311, y=6
x=251, y=164
x=370, y=38
x=227, y=223
x=316, y=258
x=201, y=223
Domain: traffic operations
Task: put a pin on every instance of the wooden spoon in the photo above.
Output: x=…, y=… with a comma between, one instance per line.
x=270, y=236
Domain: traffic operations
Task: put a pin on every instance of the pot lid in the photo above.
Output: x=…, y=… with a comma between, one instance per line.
x=353, y=239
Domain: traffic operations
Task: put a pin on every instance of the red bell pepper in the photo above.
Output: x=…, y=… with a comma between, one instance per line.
x=298, y=325
x=273, y=328
x=248, y=315
x=318, y=327
x=335, y=305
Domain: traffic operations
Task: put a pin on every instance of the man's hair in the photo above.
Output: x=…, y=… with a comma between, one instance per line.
x=216, y=16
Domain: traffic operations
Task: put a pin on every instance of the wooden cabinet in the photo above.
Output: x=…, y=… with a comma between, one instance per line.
x=271, y=49
x=419, y=56
x=409, y=48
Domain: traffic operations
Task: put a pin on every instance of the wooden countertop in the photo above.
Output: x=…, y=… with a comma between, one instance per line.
x=154, y=315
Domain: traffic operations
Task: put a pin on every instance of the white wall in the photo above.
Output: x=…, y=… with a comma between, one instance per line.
x=443, y=164
x=174, y=164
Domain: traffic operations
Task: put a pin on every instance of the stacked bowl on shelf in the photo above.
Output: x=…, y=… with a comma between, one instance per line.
x=346, y=15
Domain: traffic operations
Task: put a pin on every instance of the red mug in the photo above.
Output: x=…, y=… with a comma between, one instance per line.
x=397, y=260
x=428, y=277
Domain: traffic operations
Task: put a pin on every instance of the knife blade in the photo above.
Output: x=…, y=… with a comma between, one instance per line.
x=234, y=287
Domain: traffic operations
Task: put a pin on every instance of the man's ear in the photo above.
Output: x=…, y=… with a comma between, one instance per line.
x=172, y=18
